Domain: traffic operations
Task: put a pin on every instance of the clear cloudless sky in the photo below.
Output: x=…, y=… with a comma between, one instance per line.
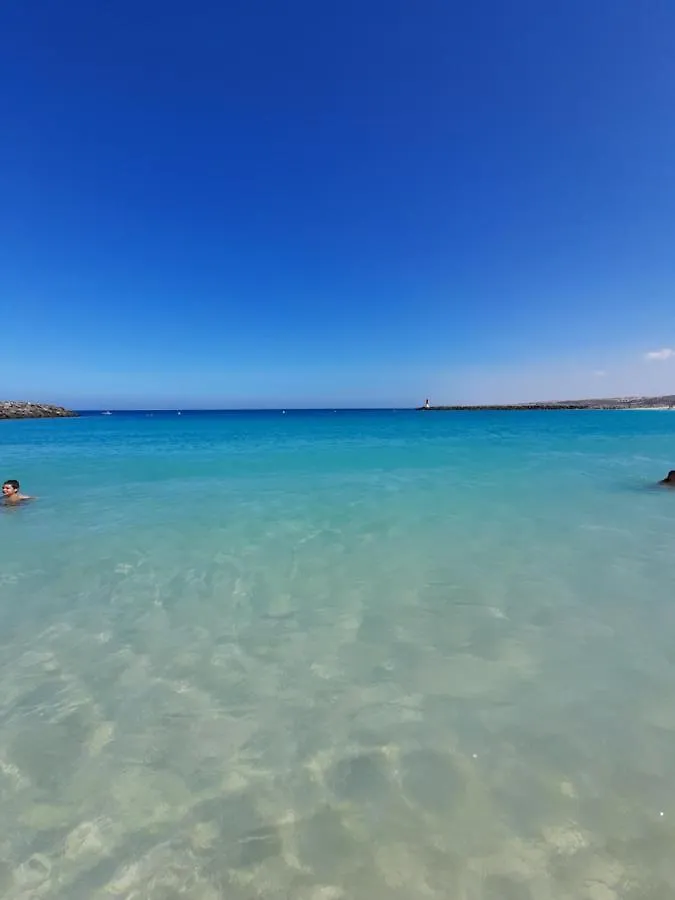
x=256, y=203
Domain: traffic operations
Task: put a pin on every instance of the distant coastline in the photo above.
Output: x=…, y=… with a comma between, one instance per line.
x=20, y=409
x=662, y=402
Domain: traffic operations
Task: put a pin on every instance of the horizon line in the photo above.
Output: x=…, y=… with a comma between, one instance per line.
x=281, y=409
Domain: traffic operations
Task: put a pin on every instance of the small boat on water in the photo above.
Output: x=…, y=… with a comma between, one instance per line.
x=106, y=413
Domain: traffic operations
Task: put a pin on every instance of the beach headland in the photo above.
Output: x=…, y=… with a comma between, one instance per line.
x=21, y=409
x=663, y=402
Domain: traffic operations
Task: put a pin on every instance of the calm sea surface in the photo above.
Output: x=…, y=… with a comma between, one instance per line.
x=339, y=656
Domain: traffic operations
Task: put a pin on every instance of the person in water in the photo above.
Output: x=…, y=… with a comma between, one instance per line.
x=11, y=493
x=669, y=480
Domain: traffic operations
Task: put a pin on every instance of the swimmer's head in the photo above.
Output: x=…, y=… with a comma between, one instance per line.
x=12, y=487
x=670, y=478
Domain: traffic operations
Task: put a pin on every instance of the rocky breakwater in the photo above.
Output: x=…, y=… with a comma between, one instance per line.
x=17, y=409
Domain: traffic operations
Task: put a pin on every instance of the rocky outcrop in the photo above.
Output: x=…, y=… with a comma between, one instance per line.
x=16, y=409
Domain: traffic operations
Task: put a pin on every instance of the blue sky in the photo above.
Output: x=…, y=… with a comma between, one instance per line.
x=276, y=204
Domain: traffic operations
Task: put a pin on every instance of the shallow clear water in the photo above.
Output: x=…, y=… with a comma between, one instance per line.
x=351, y=655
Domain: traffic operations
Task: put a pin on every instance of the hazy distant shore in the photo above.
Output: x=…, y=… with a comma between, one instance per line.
x=638, y=403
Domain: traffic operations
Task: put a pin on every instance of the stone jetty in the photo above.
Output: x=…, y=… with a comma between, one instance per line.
x=20, y=409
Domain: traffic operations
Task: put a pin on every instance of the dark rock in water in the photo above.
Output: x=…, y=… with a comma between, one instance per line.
x=17, y=409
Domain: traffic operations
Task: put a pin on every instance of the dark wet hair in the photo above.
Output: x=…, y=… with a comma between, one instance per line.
x=670, y=476
x=13, y=483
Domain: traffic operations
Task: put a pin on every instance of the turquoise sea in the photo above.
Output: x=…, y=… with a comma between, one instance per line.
x=339, y=656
